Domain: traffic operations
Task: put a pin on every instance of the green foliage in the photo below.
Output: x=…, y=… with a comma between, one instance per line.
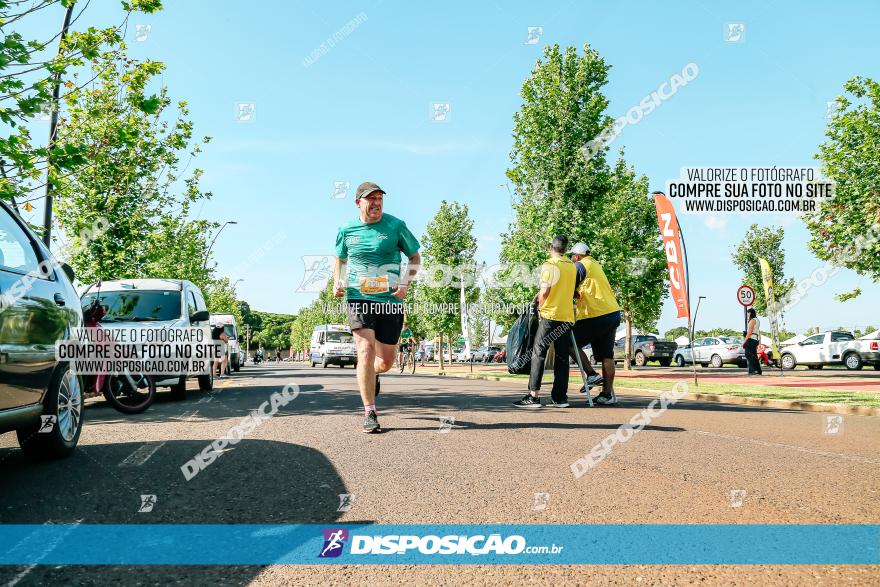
x=274, y=333
x=133, y=179
x=326, y=309
x=29, y=70
x=763, y=242
x=557, y=189
x=221, y=299
x=561, y=191
x=674, y=333
x=846, y=296
x=851, y=158
x=448, y=241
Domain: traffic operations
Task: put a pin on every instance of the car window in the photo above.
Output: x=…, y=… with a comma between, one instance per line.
x=838, y=336
x=137, y=305
x=815, y=339
x=191, y=304
x=16, y=249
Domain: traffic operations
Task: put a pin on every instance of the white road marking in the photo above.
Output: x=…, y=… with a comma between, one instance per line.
x=823, y=453
x=49, y=548
x=141, y=455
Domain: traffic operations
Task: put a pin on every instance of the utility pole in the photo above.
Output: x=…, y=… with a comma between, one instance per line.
x=247, y=344
x=53, y=127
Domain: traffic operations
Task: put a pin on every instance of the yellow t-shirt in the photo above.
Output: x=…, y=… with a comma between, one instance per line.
x=596, y=297
x=560, y=274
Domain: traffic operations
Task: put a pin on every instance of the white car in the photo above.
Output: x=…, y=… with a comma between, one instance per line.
x=830, y=348
x=715, y=351
x=153, y=303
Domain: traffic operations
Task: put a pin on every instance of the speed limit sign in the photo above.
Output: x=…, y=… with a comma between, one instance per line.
x=745, y=295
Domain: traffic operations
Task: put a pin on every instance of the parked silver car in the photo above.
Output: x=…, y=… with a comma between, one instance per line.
x=715, y=351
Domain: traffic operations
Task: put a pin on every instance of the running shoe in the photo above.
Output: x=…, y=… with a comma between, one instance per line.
x=528, y=402
x=553, y=404
x=592, y=381
x=371, y=424
x=604, y=399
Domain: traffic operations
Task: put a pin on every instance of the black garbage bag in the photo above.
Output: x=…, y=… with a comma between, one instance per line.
x=520, y=341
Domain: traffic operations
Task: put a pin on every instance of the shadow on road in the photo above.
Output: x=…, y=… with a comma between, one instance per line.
x=256, y=482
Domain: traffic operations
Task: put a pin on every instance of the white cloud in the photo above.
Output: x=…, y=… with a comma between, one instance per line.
x=715, y=222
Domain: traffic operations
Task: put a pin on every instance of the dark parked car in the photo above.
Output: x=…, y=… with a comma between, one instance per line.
x=40, y=398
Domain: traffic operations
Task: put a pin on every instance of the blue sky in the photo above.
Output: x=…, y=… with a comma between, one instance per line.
x=361, y=112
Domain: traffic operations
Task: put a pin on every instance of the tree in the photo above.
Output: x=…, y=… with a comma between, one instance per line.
x=847, y=228
x=448, y=249
x=221, y=299
x=629, y=247
x=674, y=333
x=556, y=186
x=29, y=73
x=133, y=178
x=763, y=242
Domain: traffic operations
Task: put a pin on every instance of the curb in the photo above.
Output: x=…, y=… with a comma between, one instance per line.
x=728, y=399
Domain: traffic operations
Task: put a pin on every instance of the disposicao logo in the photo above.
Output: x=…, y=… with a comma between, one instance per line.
x=334, y=541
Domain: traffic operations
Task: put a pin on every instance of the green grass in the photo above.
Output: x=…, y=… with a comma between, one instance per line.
x=799, y=394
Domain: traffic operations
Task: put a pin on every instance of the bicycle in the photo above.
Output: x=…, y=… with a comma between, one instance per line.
x=408, y=361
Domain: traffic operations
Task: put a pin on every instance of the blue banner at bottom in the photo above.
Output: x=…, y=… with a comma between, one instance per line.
x=644, y=544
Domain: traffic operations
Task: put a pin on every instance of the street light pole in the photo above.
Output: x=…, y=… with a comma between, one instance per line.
x=211, y=246
x=693, y=329
x=53, y=128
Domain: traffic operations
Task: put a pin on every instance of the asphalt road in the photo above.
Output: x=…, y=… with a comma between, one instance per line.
x=781, y=466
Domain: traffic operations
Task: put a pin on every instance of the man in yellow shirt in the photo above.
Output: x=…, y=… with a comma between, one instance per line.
x=598, y=316
x=556, y=316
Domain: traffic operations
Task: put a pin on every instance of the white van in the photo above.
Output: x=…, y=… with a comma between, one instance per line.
x=332, y=344
x=236, y=357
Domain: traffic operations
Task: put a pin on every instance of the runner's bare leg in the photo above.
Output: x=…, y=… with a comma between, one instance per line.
x=365, y=341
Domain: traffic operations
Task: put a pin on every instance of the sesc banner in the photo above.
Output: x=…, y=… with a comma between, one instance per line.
x=672, y=247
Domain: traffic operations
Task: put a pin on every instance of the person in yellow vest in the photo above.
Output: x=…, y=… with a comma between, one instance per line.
x=555, y=319
x=598, y=317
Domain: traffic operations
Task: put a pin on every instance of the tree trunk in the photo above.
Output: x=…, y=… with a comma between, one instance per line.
x=627, y=360
x=440, y=349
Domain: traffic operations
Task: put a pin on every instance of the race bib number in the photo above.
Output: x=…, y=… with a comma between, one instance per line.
x=374, y=285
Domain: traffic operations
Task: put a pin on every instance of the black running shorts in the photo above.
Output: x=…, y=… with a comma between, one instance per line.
x=383, y=318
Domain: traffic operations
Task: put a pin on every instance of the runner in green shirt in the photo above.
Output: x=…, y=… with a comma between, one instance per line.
x=405, y=342
x=368, y=255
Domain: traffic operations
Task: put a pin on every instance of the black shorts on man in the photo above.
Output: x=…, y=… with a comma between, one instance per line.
x=383, y=318
x=599, y=333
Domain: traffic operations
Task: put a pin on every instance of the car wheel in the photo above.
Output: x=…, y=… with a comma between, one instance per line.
x=238, y=366
x=63, y=401
x=324, y=362
x=665, y=362
x=876, y=366
x=788, y=361
x=206, y=382
x=178, y=390
x=640, y=359
x=679, y=361
x=313, y=363
x=716, y=362
x=853, y=361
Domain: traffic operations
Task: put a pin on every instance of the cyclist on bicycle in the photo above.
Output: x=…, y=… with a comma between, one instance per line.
x=405, y=343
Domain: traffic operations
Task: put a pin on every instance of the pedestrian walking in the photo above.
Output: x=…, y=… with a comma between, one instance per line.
x=753, y=339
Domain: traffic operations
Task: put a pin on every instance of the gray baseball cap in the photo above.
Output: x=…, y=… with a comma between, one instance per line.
x=580, y=249
x=367, y=188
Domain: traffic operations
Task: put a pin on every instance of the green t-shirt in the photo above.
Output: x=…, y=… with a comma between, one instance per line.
x=373, y=254
x=406, y=335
